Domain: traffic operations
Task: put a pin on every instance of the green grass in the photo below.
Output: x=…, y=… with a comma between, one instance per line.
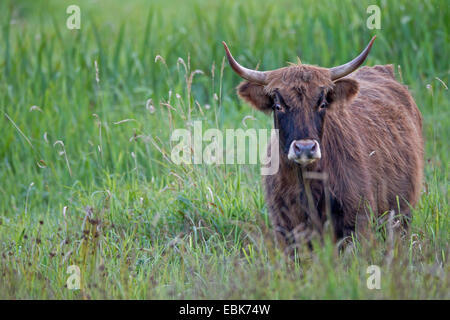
x=107, y=199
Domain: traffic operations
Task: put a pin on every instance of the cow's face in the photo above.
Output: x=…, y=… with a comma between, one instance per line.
x=299, y=98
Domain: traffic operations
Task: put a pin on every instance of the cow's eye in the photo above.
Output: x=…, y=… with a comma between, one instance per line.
x=322, y=103
x=276, y=103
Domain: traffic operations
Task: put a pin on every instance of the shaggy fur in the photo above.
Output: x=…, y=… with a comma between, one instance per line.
x=370, y=135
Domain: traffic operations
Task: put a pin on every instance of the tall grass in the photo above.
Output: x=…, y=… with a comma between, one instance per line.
x=85, y=172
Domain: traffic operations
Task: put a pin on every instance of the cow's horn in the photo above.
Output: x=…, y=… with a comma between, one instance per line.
x=349, y=67
x=259, y=77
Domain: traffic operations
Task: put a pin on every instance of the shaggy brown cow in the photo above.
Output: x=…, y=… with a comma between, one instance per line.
x=363, y=132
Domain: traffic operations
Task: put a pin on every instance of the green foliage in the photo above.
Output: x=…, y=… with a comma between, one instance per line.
x=108, y=199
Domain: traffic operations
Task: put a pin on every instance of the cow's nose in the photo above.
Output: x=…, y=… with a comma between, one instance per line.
x=304, y=151
x=303, y=147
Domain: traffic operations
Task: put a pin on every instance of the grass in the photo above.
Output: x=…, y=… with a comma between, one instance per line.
x=84, y=172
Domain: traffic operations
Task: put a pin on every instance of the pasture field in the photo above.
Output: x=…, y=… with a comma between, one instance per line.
x=85, y=172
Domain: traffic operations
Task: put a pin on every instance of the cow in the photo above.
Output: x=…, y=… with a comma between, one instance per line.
x=359, y=130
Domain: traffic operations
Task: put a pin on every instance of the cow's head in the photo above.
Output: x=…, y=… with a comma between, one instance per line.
x=299, y=97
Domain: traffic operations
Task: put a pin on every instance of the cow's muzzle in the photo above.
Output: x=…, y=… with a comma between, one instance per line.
x=304, y=151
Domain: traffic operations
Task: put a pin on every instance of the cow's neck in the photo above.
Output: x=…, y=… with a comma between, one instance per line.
x=311, y=192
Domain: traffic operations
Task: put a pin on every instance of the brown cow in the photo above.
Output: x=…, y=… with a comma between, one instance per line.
x=363, y=132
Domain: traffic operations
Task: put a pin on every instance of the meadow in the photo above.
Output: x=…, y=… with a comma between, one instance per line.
x=86, y=177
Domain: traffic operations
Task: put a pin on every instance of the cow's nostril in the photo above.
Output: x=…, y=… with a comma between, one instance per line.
x=313, y=148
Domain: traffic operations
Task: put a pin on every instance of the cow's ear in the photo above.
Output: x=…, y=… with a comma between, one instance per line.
x=344, y=90
x=255, y=95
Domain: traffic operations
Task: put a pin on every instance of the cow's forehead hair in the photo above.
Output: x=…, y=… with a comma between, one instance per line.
x=296, y=80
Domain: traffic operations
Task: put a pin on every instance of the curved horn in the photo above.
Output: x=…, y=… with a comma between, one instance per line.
x=349, y=67
x=259, y=77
